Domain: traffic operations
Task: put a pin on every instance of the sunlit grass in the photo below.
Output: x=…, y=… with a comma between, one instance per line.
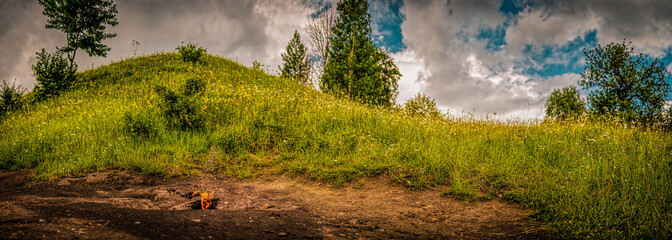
x=586, y=179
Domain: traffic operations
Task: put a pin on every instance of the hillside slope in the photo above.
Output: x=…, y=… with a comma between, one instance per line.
x=587, y=179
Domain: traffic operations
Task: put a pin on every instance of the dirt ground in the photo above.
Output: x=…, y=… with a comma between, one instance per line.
x=111, y=205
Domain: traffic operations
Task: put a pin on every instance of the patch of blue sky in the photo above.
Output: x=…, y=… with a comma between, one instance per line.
x=667, y=60
x=319, y=6
x=553, y=59
x=494, y=37
x=512, y=8
x=386, y=20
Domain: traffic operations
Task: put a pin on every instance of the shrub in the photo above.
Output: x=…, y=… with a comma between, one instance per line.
x=194, y=86
x=53, y=74
x=139, y=125
x=191, y=53
x=564, y=103
x=180, y=110
x=11, y=98
x=663, y=120
x=421, y=105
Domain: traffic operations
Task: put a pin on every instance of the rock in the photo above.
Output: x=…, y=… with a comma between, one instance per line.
x=282, y=234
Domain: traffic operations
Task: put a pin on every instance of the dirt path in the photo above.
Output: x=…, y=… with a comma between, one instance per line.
x=125, y=206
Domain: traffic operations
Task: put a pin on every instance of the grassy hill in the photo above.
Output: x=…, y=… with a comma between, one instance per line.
x=586, y=179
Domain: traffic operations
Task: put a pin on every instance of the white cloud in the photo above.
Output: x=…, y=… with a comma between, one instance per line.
x=538, y=28
x=647, y=24
x=412, y=79
x=461, y=75
x=465, y=77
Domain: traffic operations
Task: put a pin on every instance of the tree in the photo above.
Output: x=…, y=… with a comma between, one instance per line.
x=421, y=105
x=52, y=73
x=619, y=81
x=564, y=103
x=295, y=63
x=319, y=31
x=10, y=97
x=83, y=22
x=356, y=68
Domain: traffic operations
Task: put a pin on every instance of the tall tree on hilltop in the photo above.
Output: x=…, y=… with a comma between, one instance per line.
x=356, y=68
x=295, y=63
x=619, y=81
x=83, y=22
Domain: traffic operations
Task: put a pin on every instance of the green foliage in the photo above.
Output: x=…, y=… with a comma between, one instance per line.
x=421, y=105
x=571, y=175
x=11, y=98
x=356, y=68
x=83, y=22
x=663, y=120
x=181, y=110
x=191, y=53
x=53, y=74
x=295, y=63
x=620, y=82
x=139, y=125
x=564, y=103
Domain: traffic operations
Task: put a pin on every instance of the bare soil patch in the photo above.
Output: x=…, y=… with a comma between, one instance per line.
x=110, y=205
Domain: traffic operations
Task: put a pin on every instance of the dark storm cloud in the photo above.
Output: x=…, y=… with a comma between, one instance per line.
x=20, y=41
x=245, y=31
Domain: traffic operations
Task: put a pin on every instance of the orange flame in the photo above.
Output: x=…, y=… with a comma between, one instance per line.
x=206, y=199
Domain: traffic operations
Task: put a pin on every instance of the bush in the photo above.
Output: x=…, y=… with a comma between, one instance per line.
x=663, y=121
x=139, y=125
x=564, y=103
x=53, y=74
x=11, y=98
x=180, y=110
x=191, y=53
x=421, y=105
x=194, y=86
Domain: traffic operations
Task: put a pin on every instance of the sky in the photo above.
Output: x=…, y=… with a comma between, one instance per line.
x=500, y=58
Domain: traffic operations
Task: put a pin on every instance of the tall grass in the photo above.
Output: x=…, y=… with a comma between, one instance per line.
x=586, y=179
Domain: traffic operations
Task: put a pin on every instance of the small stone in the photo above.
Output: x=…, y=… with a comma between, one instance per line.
x=196, y=220
x=282, y=234
x=42, y=220
x=137, y=222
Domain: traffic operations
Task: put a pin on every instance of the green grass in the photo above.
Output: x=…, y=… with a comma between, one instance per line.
x=588, y=179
